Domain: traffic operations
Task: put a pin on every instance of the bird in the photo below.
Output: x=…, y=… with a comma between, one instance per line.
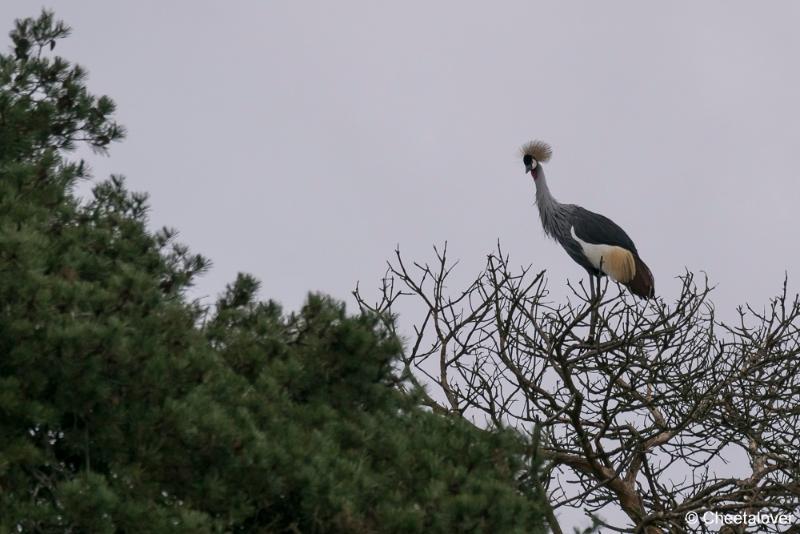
x=595, y=242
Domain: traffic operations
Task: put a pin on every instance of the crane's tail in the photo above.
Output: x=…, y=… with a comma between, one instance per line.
x=642, y=284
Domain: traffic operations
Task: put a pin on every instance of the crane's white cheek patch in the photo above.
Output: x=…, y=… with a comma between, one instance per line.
x=617, y=262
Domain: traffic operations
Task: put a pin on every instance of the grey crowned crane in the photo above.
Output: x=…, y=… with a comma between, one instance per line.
x=595, y=242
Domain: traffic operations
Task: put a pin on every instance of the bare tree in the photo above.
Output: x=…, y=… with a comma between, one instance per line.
x=638, y=405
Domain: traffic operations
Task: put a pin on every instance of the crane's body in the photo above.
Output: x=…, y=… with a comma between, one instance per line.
x=595, y=242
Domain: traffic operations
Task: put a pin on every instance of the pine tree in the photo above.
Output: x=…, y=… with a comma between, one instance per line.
x=125, y=407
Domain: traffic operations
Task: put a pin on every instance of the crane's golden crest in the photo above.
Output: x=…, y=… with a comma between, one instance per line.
x=538, y=150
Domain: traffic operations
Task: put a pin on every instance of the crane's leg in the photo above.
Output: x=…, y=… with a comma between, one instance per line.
x=594, y=304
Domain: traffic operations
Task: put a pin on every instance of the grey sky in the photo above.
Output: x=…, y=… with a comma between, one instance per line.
x=301, y=141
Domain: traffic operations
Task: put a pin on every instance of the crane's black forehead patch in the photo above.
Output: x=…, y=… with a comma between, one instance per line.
x=527, y=159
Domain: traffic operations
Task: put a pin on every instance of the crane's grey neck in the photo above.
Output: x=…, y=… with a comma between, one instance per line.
x=551, y=211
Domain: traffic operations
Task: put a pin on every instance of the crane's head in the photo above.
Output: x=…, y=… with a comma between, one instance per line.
x=534, y=153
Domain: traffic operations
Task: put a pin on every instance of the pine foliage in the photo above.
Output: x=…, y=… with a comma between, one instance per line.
x=125, y=407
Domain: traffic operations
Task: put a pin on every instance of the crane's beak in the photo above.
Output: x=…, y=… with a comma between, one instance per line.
x=528, y=168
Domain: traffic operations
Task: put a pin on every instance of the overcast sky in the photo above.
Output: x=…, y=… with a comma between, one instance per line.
x=303, y=141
